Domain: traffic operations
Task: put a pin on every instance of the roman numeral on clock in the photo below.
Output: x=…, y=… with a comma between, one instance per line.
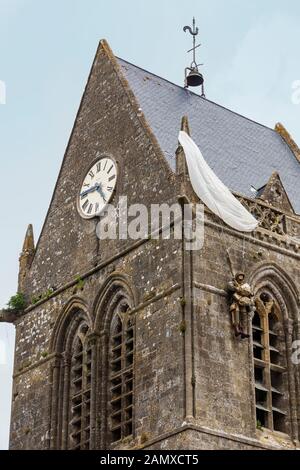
x=112, y=178
x=91, y=174
x=90, y=209
x=109, y=188
x=98, y=167
x=110, y=169
x=96, y=207
x=85, y=205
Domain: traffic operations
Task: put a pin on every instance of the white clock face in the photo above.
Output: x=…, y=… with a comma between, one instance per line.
x=97, y=187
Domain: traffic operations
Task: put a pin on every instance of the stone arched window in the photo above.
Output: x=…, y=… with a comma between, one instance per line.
x=115, y=323
x=72, y=379
x=120, y=374
x=79, y=425
x=270, y=364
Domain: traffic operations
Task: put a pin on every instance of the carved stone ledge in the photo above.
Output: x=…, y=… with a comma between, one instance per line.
x=7, y=316
x=278, y=240
x=269, y=219
x=276, y=235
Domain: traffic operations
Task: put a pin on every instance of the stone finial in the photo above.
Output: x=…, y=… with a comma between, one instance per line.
x=26, y=256
x=181, y=167
x=281, y=130
x=185, y=125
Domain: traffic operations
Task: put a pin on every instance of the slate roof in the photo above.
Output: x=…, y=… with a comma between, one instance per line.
x=242, y=152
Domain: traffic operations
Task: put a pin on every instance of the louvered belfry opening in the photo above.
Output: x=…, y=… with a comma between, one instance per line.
x=80, y=391
x=270, y=369
x=121, y=359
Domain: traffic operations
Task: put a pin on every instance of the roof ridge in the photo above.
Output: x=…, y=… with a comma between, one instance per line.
x=198, y=96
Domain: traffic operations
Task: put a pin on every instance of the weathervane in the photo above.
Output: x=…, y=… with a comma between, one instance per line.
x=193, y=77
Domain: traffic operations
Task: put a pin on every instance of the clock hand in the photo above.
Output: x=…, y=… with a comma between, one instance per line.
x=87, y=191
x=99, y=189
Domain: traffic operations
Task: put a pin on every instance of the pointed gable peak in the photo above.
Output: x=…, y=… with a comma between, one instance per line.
x=275, y=194
x=105, y=47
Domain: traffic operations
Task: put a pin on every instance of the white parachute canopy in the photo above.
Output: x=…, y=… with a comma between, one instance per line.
x=212, y=192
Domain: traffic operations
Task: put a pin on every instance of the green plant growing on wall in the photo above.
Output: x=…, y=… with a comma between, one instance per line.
x=44, y=296
x=16, y=303
x=79, y=283
x=47, y=294
x=35, y=299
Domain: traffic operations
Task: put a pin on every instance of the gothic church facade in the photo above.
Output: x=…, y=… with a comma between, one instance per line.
x=128, y=344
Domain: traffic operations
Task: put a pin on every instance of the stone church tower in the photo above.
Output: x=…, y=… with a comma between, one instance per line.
x=129, y=343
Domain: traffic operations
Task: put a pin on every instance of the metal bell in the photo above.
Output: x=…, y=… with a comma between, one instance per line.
x=194, y=78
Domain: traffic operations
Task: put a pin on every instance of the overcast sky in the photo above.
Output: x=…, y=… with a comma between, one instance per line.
x=251, y=55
